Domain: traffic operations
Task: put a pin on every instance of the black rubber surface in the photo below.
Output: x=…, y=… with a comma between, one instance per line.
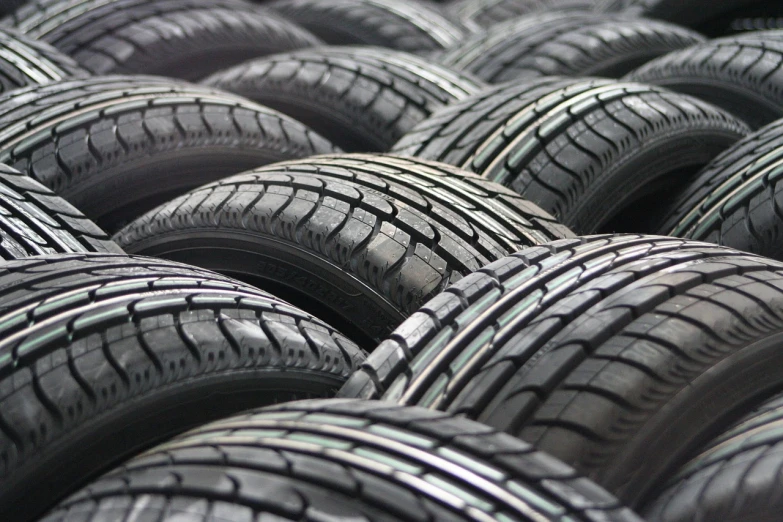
x=8, y=6
x=104, y=355
x=482, y=14
x=343, y=460
x=596, y=154
x=743, y=74
x=736, y=200
x=361, y=98
x=177, y=38
x=358, y=240
x=117, y=146
x=618, y=355
x=415, y=27
x=566, y=44
x=34, y=221
x=25, y=61
x=735, y=478
x=692, y=13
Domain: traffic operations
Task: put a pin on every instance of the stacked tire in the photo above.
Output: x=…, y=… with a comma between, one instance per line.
x=396, y=260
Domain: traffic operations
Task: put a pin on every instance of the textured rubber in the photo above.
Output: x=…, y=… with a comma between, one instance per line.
x=343, y=460
x=691, y=13
x=766, y=15
x=102, y=143
x=735, y=478
x=566, y=44
x=397, y=24
x=736, y=200
x=24, y=61
x=177, y=38
x=34, y=221
x=593, y=153
x=481, y=14
x=613, y=354
x=359, y=240
x=742, y=74
x=104, y=355
x=361, y=98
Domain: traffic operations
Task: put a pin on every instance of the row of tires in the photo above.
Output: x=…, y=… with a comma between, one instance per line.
x=442, y=302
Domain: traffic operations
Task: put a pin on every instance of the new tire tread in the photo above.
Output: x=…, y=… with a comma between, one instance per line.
x=734, y=478
x=590, y=152
x=742, y=74
x=25, y=61
x=102, y=356
x=613, y=353
x=736, y=200
x=187, y=39
x=396, y=24
x=34, y=221
x=357, y=460
x=480, y=15
x=566, y=44
x=368, y=238
x=361, y=98
x=102, y=143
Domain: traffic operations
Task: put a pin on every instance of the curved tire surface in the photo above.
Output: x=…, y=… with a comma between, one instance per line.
x=187, y=39
x=363, y=99
x=102, y=356
x=102, y=143
x=359, y=240
x=345, y=460
x=612, y=353
x=595, y=154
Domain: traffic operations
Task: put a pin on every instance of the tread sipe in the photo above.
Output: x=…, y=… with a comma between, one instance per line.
x=25, y=61
x=566, y=44
x=176, y=38
x=361, y=98
x=416, y=27
x=34, y=221
x=593, y=153
x=359, y=240
x=104, y=355
x=736, y=200
x=482, y=14
x=613, y=353
x=742, y=74
x=735, y=478
x=116, y=146
x=343, y=460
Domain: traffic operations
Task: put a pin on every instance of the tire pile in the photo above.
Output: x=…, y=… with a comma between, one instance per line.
x=391, y=260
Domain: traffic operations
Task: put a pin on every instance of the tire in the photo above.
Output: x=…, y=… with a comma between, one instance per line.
x=765, y=16
x=105, y=355
x=596, y=154
x=187, y=39
x=354, y=460
x=566, y=44
x=362, y=99
x=735, y=200
x=692, y=13
x=362, y=240
x=24, y=61
x=396, y=24
x=482, y=14
x=734, y=478
x=614, y=354
x=34, y=221
x=741, y=74
x=100, y=143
